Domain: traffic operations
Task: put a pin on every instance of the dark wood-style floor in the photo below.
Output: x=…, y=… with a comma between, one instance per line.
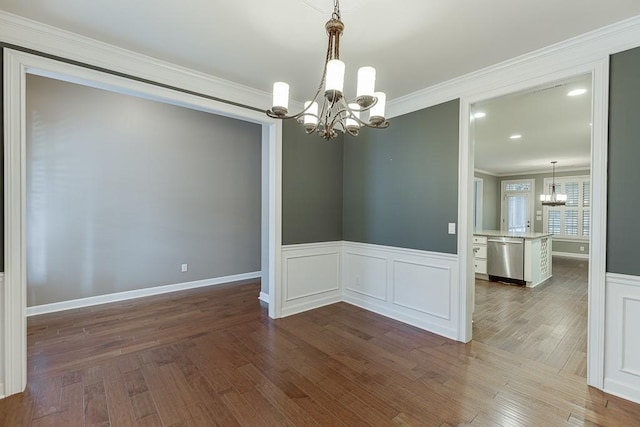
x=212, y=357
x=547, y=323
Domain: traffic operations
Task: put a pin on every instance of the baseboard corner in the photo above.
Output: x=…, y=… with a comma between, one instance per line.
x=264, y=297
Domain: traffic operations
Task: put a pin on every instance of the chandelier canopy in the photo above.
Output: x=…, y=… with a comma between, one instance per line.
x=329, y=113
x=553, y=199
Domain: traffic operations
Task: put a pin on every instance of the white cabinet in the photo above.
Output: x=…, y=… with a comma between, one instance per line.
x=480, y=256
x=537, y=261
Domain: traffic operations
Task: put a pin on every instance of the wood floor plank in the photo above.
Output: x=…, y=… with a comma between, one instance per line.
x=96, y=412
x=211, y=356
x=118, y=402
x=71, y=405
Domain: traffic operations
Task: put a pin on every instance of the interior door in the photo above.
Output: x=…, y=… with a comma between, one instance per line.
x=517, y=215
x=517, y=205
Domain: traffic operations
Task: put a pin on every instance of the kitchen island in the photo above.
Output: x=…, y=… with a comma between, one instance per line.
x=523, y=258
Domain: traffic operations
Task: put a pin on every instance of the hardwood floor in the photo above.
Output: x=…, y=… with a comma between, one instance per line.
x=547, y=323
x=213, y=357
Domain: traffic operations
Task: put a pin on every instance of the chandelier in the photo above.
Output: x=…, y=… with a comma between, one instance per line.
x=329, y=113
x=553, y=199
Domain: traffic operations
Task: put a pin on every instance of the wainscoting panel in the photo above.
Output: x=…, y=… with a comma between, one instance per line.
x=2, y=391
x=422, y=287
x=622, y=349
x=415, y=287
x=311, y=276
x=366, y=275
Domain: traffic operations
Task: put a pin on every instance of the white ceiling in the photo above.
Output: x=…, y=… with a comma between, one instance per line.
x=413, y=43
x=553, y=126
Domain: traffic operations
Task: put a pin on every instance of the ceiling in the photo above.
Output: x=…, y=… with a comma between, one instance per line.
x=553, y=126
x=413, y=44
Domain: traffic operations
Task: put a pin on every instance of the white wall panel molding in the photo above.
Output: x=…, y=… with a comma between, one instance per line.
x=311, y=276
x=2, y=332
x=412, y=286
x=43, y=38
x=622, y=353
x=138, y=293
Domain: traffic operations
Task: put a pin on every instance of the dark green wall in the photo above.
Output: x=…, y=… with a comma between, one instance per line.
x=311, y=187
x=401, y=183
x=623, y=224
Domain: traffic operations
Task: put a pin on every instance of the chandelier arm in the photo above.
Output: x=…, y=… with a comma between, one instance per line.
x=320, y=86
x=349, y=110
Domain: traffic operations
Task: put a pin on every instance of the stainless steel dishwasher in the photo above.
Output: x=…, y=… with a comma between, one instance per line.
x=505, y=258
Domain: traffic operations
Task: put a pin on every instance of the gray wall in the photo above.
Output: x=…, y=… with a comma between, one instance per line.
x=311, y=186
x=401, y=183
x=570, y=247
x=623, y=204
x=490, y=201
x=121, y=191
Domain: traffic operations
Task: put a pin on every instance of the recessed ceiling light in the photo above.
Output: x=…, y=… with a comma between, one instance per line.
x=577, y=92
x=516, y=136
x=479, y=115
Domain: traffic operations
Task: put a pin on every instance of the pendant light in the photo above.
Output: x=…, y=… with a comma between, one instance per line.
x=553, y=199
x=329, y=113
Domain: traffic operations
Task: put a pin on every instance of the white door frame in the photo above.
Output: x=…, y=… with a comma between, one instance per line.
x=478, y=189
x=16, y=66
x=599, y=70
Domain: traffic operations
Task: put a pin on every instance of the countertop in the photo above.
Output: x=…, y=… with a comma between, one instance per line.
x=498, y=233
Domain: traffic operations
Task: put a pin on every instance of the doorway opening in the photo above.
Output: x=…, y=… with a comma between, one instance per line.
x=16, y=66
x=516, y=136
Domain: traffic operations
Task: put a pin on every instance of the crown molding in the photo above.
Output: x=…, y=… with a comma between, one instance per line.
x=532, y=66
x=26, y=33
x=484, y=172
x=535, y=172
x=546, y=172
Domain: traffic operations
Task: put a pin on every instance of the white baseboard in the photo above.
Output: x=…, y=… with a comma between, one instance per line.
x=2, y=395
x=264, y=297
x=138, y=293
x=311, y=305
x=401, y=316
x=570, y=255
x=621, y=389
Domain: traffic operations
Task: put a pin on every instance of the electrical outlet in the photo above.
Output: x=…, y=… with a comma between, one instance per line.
x=581, y=248
x=185, y=268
